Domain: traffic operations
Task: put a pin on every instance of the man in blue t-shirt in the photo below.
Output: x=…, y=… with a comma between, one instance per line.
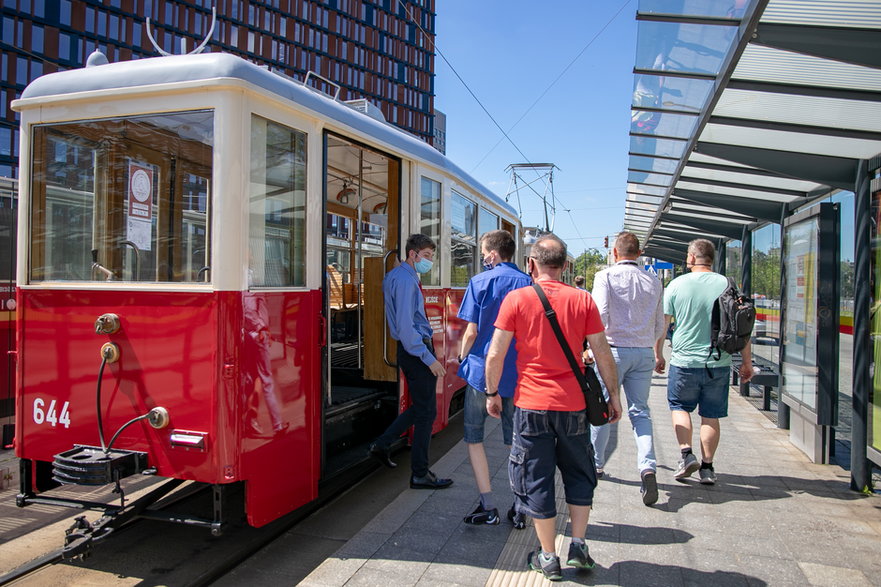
x=698, y=380
x=479, y=309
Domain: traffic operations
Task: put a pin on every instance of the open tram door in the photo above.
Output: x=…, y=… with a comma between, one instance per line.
x=362, y=211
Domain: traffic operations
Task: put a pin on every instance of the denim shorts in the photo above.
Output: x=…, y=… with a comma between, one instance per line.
x=688, y=388
x=476, y=415
x=543, y=442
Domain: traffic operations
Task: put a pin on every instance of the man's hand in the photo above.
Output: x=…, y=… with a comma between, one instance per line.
x=614, y=409
x=587, y=357
x=660, y=364
x=437, y=369
x=745, y=371
x=494, y=406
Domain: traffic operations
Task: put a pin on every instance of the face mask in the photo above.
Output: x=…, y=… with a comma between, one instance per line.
x=487, y=264
x=423, y=265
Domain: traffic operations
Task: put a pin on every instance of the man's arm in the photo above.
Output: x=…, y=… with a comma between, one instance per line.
x=660, y=361
x=405, y=296
x=746, y=363
x=468, y=338
x=495, y=362
x=602, y=354
x=600, y=295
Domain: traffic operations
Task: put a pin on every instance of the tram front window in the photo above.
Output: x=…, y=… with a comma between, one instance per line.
x=124, y=199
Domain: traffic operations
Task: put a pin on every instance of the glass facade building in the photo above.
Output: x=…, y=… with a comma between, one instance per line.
x=378, y=50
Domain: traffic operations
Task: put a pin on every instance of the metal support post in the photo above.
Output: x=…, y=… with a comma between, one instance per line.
x=860, y=470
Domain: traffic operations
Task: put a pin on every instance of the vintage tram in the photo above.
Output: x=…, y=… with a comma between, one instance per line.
x=202, y=243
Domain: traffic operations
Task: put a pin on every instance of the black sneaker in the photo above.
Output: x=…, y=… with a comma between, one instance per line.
x=649, y=489
x=481, y=516
x=516, y=518
x=549, y=568
x=579, y=557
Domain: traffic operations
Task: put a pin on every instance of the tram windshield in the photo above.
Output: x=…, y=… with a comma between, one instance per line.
x=123, y=199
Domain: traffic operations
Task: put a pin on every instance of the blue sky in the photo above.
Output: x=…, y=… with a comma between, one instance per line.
x=509, y=52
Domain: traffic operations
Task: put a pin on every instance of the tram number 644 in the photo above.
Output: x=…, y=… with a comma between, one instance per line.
x=50, y=415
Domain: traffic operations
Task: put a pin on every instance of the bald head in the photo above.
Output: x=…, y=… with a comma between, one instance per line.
x=549, y=251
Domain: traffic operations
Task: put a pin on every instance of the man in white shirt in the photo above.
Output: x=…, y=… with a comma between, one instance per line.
x=630, y=301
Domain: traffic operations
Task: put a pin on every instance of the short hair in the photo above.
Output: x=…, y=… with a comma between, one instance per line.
x=579, y=280
x=549, y=251
x=417, y=242
x=702, y=249
x=501, y=242
x=627, y=244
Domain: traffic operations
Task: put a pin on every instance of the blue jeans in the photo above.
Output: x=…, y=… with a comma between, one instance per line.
x=635, y=366
x=545, y=440
x=421, y=384
x=476, y=415
x=706, y=389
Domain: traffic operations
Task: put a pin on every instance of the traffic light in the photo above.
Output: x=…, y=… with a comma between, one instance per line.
x=606, y=242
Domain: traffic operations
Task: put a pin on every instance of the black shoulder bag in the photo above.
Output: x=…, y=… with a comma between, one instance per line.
x=594, y=400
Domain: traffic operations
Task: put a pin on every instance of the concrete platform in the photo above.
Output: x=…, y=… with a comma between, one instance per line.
x=774, y=518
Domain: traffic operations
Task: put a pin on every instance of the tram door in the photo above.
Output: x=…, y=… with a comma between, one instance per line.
x=362, y=189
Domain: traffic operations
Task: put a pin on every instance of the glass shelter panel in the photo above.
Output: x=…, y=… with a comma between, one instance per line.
x=464, y=240
x=277, y=205
x=124, y=199
x=766, y=292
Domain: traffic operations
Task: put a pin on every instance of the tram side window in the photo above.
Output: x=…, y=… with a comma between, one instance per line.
x=486, y=222
x=463, y=223
x=277, y=204
x=430, y=224
x=124, y=199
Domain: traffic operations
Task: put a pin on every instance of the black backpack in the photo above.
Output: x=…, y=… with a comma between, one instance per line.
x=734, y=315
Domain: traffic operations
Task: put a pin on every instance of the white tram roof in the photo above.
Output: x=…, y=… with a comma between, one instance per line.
x=207, y=66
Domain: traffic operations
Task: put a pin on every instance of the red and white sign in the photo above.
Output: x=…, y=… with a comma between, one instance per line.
x=140, y=191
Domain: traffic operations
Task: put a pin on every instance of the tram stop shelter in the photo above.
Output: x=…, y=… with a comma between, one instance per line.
x=761, y=120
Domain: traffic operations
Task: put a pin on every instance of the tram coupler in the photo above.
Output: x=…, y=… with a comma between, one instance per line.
x=90, y=465
x=82, y=534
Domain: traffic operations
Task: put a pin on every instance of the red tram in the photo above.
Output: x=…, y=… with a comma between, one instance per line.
x=201, y=249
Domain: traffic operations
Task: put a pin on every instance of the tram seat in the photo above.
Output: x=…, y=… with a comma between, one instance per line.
x=335, y=285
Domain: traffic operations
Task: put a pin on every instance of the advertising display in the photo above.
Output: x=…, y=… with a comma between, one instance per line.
x=874, y=432
x=800, y=328
x=809, y=326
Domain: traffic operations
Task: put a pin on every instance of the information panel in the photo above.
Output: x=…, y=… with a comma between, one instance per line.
x=809, y=326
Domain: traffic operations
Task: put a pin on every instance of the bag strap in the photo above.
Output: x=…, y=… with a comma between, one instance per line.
x=555, y=325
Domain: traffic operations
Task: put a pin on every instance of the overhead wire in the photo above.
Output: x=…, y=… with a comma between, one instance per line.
x=528, y=110
x=556, y=79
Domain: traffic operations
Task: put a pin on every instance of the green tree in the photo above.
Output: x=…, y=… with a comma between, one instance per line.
x=588, y=263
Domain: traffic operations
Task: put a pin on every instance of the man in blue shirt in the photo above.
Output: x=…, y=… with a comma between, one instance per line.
x=479, y=309
x=408, y=324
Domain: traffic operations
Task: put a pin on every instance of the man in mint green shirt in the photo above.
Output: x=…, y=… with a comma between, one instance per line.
x=696, y=379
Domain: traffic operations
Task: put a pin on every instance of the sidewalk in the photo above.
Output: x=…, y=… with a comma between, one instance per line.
x=773, y=519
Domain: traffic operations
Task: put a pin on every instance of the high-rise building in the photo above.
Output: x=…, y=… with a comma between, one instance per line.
x=378, y=50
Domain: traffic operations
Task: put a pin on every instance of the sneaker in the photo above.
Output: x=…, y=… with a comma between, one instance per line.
x=481, y=516
x=549, y=568
x=708, y=476
x=649, y=489
x=516, y=518
x=687, y=466
x=600, y=472
x=579, y=557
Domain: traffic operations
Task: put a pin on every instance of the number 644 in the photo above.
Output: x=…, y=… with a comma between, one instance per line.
x=49, y=415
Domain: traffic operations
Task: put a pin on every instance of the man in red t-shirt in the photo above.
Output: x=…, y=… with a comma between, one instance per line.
x=550, y=424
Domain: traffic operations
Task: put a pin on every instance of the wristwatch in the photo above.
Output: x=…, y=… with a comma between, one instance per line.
x=494, y=394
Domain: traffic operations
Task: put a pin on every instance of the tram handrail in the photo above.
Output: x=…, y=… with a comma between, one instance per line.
x=385, y=321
